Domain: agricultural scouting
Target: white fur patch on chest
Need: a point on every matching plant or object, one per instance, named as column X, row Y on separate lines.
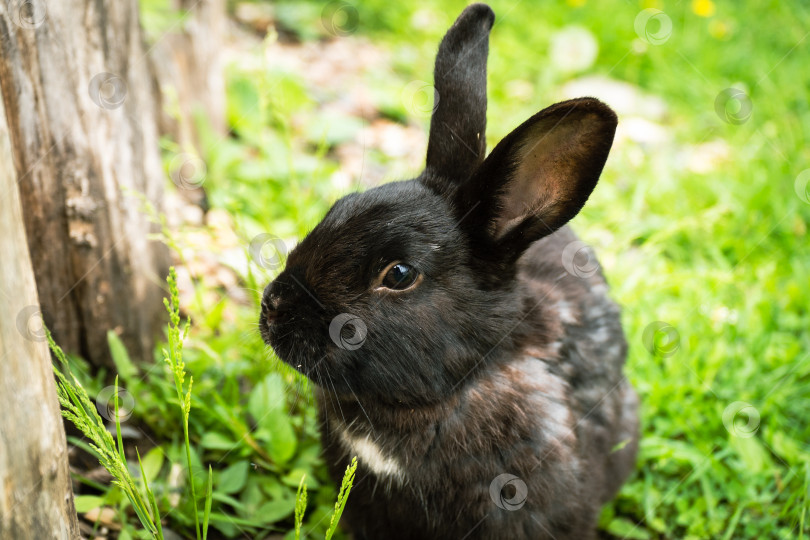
column 372, row 456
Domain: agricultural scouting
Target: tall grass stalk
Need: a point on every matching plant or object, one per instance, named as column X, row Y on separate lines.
column 300, row 506
column 81, row 411
column 174, row 357
column 343, row 496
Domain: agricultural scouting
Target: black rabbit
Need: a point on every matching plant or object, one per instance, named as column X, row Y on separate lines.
column 460, row 347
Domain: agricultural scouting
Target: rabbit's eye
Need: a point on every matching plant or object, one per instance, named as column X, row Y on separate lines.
column 400, row 276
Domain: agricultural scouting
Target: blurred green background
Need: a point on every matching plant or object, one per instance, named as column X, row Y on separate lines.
column 700, row 221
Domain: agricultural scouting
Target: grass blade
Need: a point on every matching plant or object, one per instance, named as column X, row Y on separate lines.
column 118, row 426
column 300, row 506
column 343, row 496
column 151, row 496
column 208, row 497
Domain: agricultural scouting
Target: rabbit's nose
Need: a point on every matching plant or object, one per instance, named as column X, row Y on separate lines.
column 270, row 303
column 270, row 316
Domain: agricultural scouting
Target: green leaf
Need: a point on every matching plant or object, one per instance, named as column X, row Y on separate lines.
column 227, row 499
column 152, row 463
column 267, row 405
column 334, row 128
column 126, row 369
column 214, row 440
column 233, row 478
column 271, row 487
column 624, row 528
column 243, row 106
column 752, row 453
column 298, row 17
column 214, row 316
column 221, row 523
column 85, row 503
column 273, row 511
column 251, row 499
column 267, row 396
column 293, row 478
column 281, row 442
column 787, row 447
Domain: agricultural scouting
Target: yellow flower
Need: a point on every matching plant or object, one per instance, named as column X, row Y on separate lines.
column 703, row 8
column 576, row 3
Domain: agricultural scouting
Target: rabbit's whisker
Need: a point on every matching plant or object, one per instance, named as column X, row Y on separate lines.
column 371, row 425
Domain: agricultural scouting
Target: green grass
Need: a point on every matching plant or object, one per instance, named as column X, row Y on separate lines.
column 721, row 256
column 149, row 509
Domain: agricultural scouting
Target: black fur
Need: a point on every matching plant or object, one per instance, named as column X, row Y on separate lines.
column 499, row 360
column 457, row 140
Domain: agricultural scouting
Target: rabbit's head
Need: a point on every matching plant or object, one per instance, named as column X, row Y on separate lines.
column 404, row 291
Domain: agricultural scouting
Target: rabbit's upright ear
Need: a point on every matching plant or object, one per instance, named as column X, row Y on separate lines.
column 539, row 176
column 457, row 142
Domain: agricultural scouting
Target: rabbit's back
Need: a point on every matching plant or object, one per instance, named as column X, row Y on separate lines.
column 582, row 342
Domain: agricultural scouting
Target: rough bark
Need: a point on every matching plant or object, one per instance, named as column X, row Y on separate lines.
column 80, row 108
column 36, row 500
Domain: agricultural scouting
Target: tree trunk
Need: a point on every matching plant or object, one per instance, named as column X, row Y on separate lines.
column 189, row 70
column 36, row 500
column 80, row 107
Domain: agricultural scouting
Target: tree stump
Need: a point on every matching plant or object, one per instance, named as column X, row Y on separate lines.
column 80, row 106
column 36, row 500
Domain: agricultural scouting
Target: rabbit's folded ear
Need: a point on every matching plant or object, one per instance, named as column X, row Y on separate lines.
column 540, row 175
column 457, row 142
